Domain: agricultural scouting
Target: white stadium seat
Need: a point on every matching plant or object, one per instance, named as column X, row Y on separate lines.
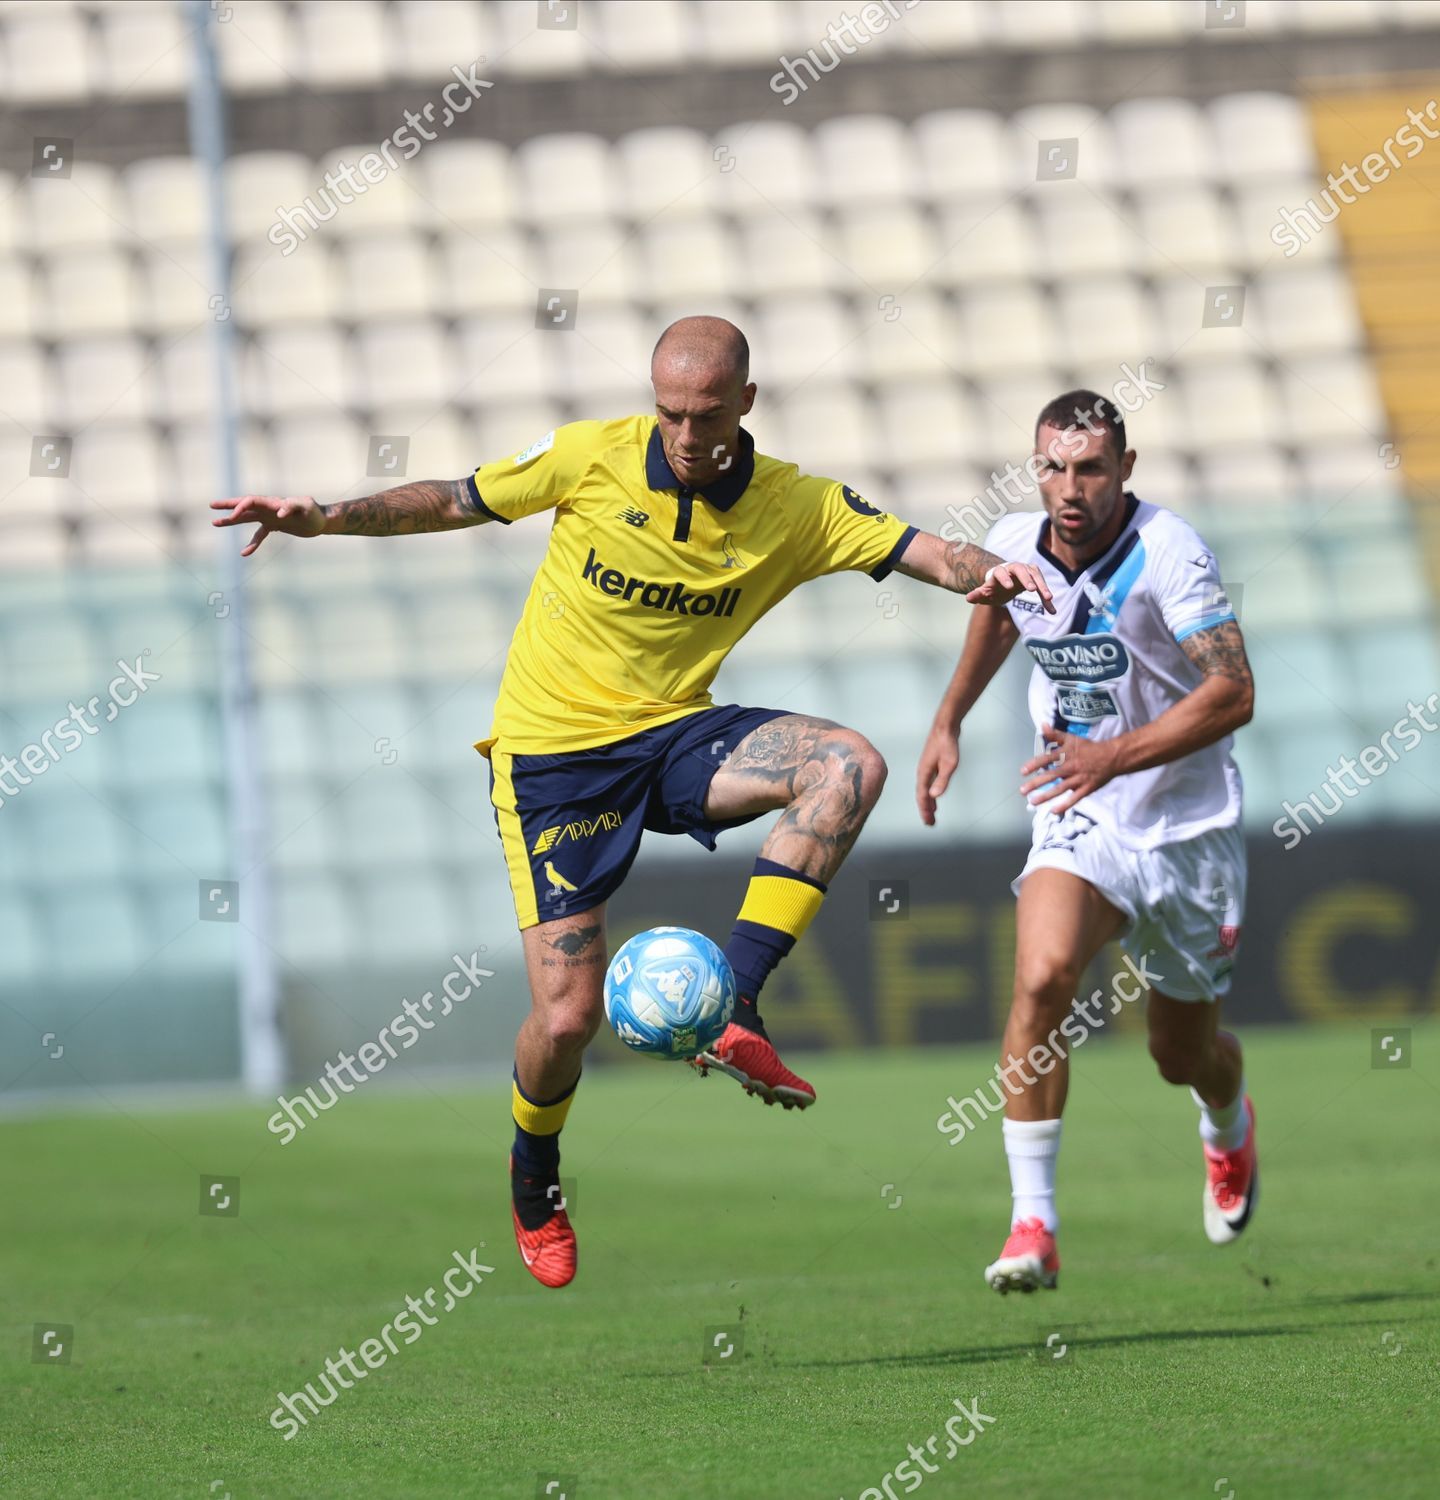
column 468, row 182
column 85, row 208
column 967, row 153
column 144, row 50
column 299, row 367
column 1007, row 327
column 565, row 176
column 1162, row 141
column 667, row 170
column 91, row 290
column 387, row 275
column 865, row 158
column 343, row 45
column 104, row 377
column 407, row 360
column 1261, row 135
column 259, row 50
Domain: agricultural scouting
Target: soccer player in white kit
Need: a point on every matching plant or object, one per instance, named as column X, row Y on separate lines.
column 1140, row 679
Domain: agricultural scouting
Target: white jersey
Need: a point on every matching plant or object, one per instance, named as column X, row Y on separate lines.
column 1109, row 660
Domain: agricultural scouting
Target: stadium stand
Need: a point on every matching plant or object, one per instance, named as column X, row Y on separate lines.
column 913, row 292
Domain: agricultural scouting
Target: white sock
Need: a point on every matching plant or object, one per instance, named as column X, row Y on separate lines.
column 1032, row 1147
column 1224, row 1129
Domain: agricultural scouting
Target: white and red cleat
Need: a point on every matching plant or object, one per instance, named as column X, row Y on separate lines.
column 1028, row 1260
column 755, row 1065
column 1232, row 1186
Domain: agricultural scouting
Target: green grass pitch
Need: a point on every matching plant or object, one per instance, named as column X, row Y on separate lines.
column 1301, row 1361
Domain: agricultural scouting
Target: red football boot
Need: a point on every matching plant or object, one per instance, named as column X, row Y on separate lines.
column 753, row 1063
column 548, row 1248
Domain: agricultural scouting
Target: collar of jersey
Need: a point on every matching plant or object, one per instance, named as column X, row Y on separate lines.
column 1132, row 504
column 720, row 493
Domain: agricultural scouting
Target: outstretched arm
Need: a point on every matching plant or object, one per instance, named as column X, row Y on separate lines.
column 1072, row 767
column 988, row 640
column 967, row 569
column 423, row 505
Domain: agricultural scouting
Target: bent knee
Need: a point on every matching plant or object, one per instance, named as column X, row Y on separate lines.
column 850, row 755
column 1045, row 982
column 571, row 1025
column 1176, row 1064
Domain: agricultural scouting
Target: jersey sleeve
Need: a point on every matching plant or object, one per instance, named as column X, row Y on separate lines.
column 842, row 531
column 537, row 478
column 1191, row 594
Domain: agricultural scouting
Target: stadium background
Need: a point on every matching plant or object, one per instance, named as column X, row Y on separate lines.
column 922, row 248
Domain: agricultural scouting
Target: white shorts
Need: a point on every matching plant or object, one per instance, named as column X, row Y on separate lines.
column 1184, row 902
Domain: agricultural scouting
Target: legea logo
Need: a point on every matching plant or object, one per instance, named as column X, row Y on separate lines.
column 1081, row 658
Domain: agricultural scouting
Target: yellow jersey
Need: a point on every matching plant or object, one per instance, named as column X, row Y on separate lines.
column 647, row 583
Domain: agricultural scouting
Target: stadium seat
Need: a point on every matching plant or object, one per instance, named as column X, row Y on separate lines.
column 1232, row 401
column 414, row 361
column 297, row 367
column 595, row 258
column 1330, row 397
column 120, row 468
column 178, row 830
column 27, row 379
column 485, row 269
column 387, row 275
column 1105, row 319
column 740, row 31
column 864, row 159
column 666, row 169
column 50, row 57
column 259, row 54
column 1351, row 475
column 259, row 182
column 432, row 36
column 1125, row 23
column 1160, row 140
column 565, row 176
column 319, row 453
column 343, row 46
column 967, row 153
column 1036, row 128
column 613, row 356
column 144, row 50
column 1187, row 227
column 393, row 203
column 1258, row 221
column 1261, row 135
column 763, row 163
column 270, row 289
column 1245, row 476
column 317, row 923
column 1084, row 231
column 888, row 245
column 104, row 377
column 84, row 208
column 500, row 355
column 1310, row 311
column 828, row 427
column 469, row 182
column 983, row 239
column 175, row 287
column 929, row 422
column 638, row 35
column 688, row 258
column 796, row 337
column 908, row 337
column 91, row 291
column 1007, row 327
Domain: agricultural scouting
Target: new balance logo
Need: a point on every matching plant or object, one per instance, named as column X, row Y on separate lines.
column 578, row 828
column 671, row 598
column 633, row 516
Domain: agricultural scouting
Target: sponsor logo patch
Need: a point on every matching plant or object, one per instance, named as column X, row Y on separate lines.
column 1082, row 707
column 671, row 598
column 1081, row 658
column 576, row 829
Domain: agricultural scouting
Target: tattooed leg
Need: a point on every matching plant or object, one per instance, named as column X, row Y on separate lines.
column 826, row 777
column 565, row 962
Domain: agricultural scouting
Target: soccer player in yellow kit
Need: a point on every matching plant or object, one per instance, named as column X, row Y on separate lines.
column 670, row 538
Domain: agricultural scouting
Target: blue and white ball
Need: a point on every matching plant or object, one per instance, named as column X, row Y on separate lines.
column 670, row 992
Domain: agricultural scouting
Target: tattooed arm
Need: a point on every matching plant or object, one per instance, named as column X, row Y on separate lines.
column 423, row 505
column 962, row 567
column 1072, row 767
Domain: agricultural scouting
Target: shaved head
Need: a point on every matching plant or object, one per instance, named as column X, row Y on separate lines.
column 701, row 373
column 712, row 345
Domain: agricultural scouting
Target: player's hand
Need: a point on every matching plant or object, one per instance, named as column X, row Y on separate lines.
column 1070, row 767
column 938, row 761
column 1005, row 582
column 295, row 515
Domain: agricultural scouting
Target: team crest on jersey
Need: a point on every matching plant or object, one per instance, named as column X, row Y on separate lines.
column 1081, row 658
column 731, row 556
column 1102, row 605
column 859, row 506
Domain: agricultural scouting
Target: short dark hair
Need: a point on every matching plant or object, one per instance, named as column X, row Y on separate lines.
column 1087, row 409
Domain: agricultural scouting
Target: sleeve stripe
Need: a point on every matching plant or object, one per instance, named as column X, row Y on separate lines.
column 480, row 505
column 895, row 553
column 1204, row 623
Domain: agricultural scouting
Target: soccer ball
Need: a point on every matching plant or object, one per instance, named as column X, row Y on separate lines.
column 670, row 992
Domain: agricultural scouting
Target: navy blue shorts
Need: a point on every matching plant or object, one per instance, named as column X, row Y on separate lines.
column 570, row 824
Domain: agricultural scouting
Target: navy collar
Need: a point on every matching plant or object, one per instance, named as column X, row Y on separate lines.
column 1070, row 575
column 722, row 492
